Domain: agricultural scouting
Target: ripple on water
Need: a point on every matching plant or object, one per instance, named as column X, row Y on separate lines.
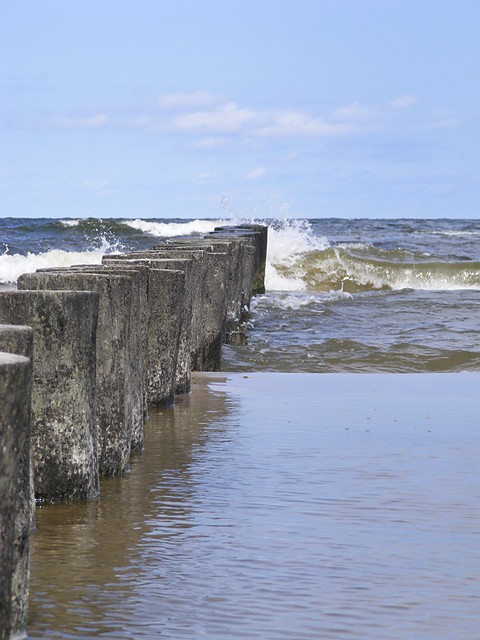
column 279, row 506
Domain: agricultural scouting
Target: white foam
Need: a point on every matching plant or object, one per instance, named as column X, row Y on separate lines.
column 274, row 281
column 360, row 246
column 434, row 283
column 12, row 266
column 456, row 233
column 171, row 229
column 339, row 294
column 70, row 223
column 288, row 241
column 421, row 276
column 288, row 301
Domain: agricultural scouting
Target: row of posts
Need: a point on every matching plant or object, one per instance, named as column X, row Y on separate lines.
column 85, row 350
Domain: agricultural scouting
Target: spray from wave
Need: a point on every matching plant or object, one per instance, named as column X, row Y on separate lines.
column 70, row 223
column 299, row 259
column 13, row 265
column 289, row 243
column 172, row 229
column 86, row 240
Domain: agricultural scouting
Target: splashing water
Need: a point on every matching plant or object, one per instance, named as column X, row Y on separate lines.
column 288, row 242
column 13, row 265
column 171, row 229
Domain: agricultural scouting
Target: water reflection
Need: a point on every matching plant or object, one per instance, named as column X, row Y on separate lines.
column 88, row 559
column 280, row 506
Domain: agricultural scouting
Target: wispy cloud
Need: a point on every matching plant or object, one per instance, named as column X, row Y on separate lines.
column 354, row 112
column 404, row 102
column 212, row 122
column 212, row 142
column 255, row 174
column 297, row 123
column 80, row 122
column 225, row 118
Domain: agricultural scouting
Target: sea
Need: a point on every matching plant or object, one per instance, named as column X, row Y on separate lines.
column 358, row 295
column 323, row 486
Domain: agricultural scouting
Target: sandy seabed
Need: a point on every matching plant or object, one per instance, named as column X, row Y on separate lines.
column 279, row 506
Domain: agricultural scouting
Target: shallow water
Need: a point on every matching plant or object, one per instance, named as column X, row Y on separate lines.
column 396, row 331
column 279, row 506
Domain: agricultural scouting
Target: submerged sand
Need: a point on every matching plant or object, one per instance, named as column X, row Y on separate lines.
column 280, row 506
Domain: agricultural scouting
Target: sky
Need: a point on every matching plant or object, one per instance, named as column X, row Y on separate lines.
column 266, row 108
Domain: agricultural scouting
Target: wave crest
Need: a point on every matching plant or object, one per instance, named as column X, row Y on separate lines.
column 13, row 265
column 289, row 242
column 171, row 229
column 336, row 269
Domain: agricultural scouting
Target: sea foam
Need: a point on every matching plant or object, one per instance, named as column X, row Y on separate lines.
column 172, row 229
column 70, row 223
column 288, row 242
column 12, row 266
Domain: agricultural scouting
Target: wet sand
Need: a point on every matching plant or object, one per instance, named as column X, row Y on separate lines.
column 279, row 506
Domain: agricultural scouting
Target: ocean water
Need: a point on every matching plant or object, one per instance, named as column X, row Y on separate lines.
column 288, row 498
column 342, row 295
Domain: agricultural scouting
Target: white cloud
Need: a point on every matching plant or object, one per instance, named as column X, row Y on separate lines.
column 446, row 123
column 255, row 174
column 226, row 118
column 80, row 122
column 404, row 102
column 354, row 111
column 296, row 123
column 213, row 142
column 182, row 100
column 213, row 123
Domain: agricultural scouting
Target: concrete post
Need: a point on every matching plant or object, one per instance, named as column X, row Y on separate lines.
column 183, row 368
column 18, row 340
column 256, row 236
column 63, row 393
column 166, row 296
column 215, row 310
column 216, row 267
column 196, row 288
column 137, row 339
column 114, row 399
column 15, row 390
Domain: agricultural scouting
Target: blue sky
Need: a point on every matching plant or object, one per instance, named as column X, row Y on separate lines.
column 271, row 108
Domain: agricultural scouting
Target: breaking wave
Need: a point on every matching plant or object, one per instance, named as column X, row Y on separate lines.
column 289, row 244
column 299, row 258
column 171, row 229
column 336, row 268
column 12, row 266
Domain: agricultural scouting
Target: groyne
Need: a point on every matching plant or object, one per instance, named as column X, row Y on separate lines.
column 85, row 350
